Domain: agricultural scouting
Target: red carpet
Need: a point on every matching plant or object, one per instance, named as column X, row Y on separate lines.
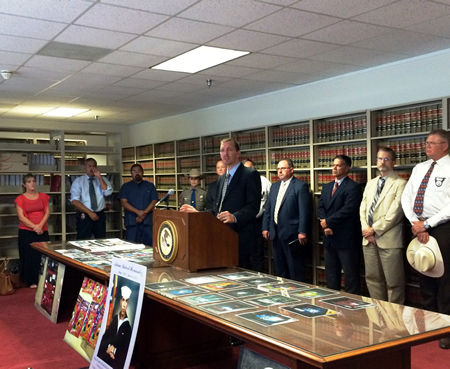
column 28, row 339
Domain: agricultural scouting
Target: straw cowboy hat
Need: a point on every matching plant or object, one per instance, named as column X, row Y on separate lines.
column 195, row 173
column 426, row 258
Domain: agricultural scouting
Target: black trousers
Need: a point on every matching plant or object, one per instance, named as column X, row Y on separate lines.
column 348, row 260
column 30, row 258
column 436, row 291
column 87, row 227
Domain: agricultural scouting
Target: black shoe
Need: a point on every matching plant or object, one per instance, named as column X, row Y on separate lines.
column 236, row 341
column 444, row 343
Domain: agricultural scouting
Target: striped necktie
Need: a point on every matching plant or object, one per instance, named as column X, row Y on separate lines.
column 224, row 191
column 336, row 184
column 418, row 202
column 380, row 186
column 280, row 196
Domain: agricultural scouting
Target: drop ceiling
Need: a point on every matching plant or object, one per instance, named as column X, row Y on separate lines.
column 97, row 54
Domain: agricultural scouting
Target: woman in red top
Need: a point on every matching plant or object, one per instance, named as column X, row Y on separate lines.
column 33, row 211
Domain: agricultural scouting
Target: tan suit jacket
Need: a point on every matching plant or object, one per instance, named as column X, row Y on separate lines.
column 388, row 213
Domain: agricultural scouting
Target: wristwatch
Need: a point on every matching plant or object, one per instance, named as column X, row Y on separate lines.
column 426, row 225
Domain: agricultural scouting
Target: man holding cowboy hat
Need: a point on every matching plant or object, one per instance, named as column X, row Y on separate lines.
column 194, row 195
column 426, row 204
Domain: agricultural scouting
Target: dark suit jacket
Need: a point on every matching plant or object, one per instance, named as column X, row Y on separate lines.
column 342, row 214
column 294, row 216
column 242, row 199
column 211, row 195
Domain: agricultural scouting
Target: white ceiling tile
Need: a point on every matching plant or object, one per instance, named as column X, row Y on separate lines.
column 94, row 37
column 20, row 44
column 181, row 87
column 111, row 69
column 120, row 19
column 282, row 77
column 200, row 79
column 26, row 27
column 124, row 91
column 139, row 83
column 7, row 57
column 346, row 32
column 157, row 46
column 160, row 75
column 67, row 11
column 435, row 27
column 292, row 22
column 349, row 55
column 225, row 70
column 261, row 61
column 228, row 12
column 98, row 79
column 259, row 86
column 404, row 13
column 305, row 66
column 132, row 59
column 186, row 30
column 155, row 6
column 300, row 48
column 280, row 2
column 48, row 62
column 341, row 8
column 252, row 41
column 339, row 69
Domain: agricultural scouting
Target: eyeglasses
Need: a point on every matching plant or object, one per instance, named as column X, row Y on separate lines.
column 427, row 143
column 283, row 168
column 384, row 159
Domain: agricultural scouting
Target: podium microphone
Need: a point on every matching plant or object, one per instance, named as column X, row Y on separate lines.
column 166, row 197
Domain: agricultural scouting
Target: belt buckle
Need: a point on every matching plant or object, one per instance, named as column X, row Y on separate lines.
column 422, row 219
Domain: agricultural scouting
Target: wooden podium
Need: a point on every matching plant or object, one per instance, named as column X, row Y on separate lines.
column 193, row 241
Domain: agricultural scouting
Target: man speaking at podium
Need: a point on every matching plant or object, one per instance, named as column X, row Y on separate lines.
column 237, row 200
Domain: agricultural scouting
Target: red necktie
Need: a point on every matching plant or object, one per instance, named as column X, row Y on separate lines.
column 334, row 188
column 418, row 202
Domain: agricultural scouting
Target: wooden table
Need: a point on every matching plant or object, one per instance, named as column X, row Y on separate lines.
column 173, row 334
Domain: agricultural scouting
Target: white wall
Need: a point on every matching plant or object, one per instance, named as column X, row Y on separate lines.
column 422, row 78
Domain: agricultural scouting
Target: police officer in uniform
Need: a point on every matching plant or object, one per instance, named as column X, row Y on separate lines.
column 194, row 195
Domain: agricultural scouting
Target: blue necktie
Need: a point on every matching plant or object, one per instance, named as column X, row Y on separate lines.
column 193, row 198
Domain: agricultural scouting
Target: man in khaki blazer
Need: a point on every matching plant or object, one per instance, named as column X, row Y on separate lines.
column 381, row 222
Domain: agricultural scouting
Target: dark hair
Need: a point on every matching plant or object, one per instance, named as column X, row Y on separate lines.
column 442, row 133
column 389, row 151
column 90, row 159
column 250, row 160
column 25, row 178
column 136, row 165
column 347, row 161
column 289, row 161
column 233, row 140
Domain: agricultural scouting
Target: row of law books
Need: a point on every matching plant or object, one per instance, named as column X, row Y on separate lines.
column 43, row 159
column 409, row 120
column 209, row 178
column 350, row 128
column 251, row 140
column 210, row 163
column 259, row 158
column 293, row 135
column 303, row 177
column 164, row 150
column 144, row 152
column 212, row 144
column 166, row 182
column 407, row 151
column 165, row 166
column 172, row 199
column 128, row 153
column 17, row 180
column 324, row 178
column 191, row 147
column 300, row 158
column 356, row 152
column 186, row 164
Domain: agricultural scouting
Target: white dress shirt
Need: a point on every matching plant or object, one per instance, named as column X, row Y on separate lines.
column 80, row 191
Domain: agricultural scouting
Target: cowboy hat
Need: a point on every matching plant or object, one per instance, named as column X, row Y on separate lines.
column 195, row 173
column 426, row 258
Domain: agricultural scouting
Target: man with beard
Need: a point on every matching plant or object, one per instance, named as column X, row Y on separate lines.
column 138, row 198
column 116, row 339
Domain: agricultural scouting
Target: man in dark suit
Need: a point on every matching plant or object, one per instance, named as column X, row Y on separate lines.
column 237, row 200
column 339, row 218
column 212, row 187
column 287, row 221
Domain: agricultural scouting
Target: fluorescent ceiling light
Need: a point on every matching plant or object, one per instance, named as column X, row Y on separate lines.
column 198, row 59
column 65, row 112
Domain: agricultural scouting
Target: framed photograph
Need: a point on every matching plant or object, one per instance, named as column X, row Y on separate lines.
column 266, row 318
column 309, row 310
column 280, row 287
column 271, row 300
column 221, row 286
column 182, row 291
column 164, row 285
column 261, row 280
column 227, row 307
column 207, row 298
column 241, row 293
column 348, row 303
column 313, row 293
column 239, row 275
column 204, row 279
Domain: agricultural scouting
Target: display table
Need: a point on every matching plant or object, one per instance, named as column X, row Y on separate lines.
column 175, row 334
